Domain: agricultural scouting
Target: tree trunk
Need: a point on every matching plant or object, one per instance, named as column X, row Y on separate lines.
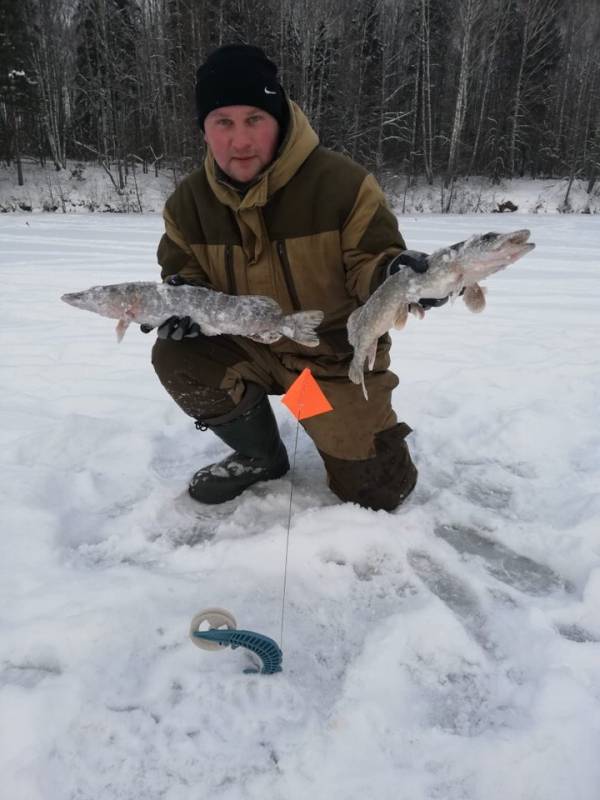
column 460, row 108
column 426, row 93
column 490, row 67
column 516, row 113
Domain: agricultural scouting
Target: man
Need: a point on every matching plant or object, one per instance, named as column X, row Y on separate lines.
column 273, row 213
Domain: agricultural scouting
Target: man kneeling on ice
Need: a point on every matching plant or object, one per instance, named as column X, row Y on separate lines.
column 273, row 213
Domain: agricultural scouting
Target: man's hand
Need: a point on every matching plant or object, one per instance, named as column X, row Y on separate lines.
column 175, row 328
column 432, row 302
column 178, row 328
column 424, row 304
column 418, row 262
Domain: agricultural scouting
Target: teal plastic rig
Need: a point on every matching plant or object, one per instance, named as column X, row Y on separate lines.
column 222, row 632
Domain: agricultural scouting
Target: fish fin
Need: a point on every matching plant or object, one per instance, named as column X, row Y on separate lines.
column 401, row 316
column 265, row 338
column 300, row 327
column 121, row 328
column 474, row 298
column 417, row 310
column 372, row 355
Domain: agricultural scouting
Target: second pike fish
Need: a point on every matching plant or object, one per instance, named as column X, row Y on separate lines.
column 258, row 318
column 450, row 271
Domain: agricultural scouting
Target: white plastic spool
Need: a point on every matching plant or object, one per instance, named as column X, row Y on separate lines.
column 216, row 618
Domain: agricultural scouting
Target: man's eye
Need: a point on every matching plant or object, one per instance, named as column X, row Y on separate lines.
column 223, row 123
column 255, row 118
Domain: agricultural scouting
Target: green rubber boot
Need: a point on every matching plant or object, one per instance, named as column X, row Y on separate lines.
column 259, row 455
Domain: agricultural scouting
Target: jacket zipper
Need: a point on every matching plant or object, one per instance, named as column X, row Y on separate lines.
column 287, row 274
column 229, row 269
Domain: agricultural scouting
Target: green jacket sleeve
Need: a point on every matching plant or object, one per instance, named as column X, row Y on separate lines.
column 176, row 256
column 370, row 238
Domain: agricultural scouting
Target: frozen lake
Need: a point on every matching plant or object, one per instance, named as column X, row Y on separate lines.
column 448, row 651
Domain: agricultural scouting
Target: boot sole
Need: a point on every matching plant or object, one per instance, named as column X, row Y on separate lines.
column 213, row 497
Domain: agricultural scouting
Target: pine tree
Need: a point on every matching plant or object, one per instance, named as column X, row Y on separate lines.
column 17, row 86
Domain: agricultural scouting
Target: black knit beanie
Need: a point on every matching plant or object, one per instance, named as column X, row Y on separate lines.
column 239, row 74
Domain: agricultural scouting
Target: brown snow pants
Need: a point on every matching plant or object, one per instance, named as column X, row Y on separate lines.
column 363, row 447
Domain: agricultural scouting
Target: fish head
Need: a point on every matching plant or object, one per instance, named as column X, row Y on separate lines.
column 487, row 253
column 77, row 299
column 117, row 301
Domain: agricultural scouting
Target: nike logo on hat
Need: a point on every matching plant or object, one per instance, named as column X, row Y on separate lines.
column 268, row 91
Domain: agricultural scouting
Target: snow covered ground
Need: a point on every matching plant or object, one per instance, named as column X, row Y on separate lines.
column 85, row 187
column 448, row 651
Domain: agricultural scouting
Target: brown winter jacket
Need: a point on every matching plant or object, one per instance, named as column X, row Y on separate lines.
column 314, row 232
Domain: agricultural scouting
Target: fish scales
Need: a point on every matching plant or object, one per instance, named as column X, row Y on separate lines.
column 451, row 271
column 259, row 318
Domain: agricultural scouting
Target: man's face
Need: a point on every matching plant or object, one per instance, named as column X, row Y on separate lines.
column 242, row 139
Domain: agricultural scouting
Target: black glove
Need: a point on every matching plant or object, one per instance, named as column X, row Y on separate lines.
column 176, row 280
column 432, row 302
column 418, row 262
column 178, row 328
column 175, row 328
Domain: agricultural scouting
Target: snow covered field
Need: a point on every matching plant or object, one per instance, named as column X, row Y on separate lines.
column 85, row 187
column 448, row 651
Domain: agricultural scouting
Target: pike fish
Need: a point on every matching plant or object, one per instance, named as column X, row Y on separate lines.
column 451, row 271
column 258, row 318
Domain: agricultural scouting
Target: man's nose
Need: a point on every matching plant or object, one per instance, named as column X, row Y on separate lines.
column 241, row 139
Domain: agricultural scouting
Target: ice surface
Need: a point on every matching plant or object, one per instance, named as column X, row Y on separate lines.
column 448, row 651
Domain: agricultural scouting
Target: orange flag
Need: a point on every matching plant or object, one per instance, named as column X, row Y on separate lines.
column 304, row 398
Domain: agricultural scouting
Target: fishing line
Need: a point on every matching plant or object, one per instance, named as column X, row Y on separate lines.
column 289, row 523
column 304, row 399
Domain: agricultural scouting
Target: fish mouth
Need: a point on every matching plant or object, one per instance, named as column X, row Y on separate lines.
column 73, row 299
column 496, row 241
column 518, row 237
column 512, row 245
column 517, row 245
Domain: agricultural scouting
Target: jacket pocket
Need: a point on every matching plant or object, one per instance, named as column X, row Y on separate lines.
column 288, row 277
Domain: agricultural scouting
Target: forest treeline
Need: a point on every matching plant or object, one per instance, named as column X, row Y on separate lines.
column 448, row 88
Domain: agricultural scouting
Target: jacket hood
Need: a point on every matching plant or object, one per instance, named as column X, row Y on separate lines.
column 299, row 142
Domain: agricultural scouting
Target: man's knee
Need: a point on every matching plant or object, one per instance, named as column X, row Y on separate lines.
column 382, row 482
column 161, row 360
column 169, row 358
column 190, row 380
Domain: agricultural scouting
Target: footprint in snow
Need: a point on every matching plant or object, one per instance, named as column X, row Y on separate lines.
column 504, row 564
column 496, row 498
column 27, row 675
column 576, row 634
column 453, row 592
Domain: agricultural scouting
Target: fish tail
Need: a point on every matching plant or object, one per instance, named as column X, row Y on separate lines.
column 301, row 327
